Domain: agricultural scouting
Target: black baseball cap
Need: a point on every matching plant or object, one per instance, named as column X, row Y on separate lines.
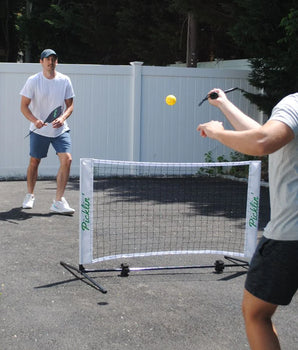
column 46, row 53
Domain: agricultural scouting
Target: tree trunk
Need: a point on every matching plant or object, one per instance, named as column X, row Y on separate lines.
column 191, row 54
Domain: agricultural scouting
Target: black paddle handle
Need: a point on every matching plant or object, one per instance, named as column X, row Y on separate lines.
column 214, row 95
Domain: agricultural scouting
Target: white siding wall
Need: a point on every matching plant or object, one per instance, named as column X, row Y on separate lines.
column 120, row 113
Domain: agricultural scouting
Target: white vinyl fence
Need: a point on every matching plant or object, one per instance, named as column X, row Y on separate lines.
column 120, row 114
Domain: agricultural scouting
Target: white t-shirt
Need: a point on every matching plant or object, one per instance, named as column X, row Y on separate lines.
column 283, row 176
column 46, row 95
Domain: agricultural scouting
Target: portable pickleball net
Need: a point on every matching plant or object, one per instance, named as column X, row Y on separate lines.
column 134, row 211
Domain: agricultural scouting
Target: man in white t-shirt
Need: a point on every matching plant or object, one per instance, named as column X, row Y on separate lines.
column 43, row 93
column 272, row 277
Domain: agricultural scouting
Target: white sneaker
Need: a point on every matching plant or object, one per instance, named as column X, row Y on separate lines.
column 28, row 201
column 62, row 207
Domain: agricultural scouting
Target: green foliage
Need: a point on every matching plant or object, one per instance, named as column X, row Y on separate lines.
column 8, row 33
column 271, row 43
column 53, row 24
column 214, row 21
column 149, row 31
column 155, row 32
column 238, row 157
column 121, row 31
column 217, row 170
column 239, row 171
column 105, row 32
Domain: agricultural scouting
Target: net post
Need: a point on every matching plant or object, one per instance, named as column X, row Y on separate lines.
column 252, row 208
column 86, row 211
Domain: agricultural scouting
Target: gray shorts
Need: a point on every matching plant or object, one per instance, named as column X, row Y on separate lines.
column 39, row 145
column 273, row 271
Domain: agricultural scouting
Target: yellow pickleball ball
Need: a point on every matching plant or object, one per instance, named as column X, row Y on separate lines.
column 170, row 100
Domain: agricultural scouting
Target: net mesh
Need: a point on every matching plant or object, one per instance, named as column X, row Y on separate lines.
column 143, row 209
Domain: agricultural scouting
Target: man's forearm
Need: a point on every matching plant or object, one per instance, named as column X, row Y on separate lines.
column 69, row 109
column 237, row 118
column 247, row 141
column 28, row 114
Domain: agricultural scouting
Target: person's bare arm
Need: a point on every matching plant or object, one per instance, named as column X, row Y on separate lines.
column 69, row 109
column 235, row 116
column 25, row 102
column 259, row 141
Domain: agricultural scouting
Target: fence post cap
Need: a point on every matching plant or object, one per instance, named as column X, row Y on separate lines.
column 136, row 63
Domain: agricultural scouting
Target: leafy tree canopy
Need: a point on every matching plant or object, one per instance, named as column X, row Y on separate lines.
column 120, row 31
column 267, row 31
column 155, row 32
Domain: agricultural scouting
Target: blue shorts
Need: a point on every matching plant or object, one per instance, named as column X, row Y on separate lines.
column 39, row 145
column 272, row 275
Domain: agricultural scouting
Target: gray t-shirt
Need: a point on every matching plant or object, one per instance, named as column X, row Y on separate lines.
column 283, row 176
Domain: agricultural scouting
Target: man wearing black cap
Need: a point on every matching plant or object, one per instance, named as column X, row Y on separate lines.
column 45, row 92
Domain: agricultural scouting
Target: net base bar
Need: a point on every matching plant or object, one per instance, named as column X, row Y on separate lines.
column 125, row 269
column 82, row 271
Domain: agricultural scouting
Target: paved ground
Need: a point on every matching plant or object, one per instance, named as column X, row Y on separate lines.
column 42, row 306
